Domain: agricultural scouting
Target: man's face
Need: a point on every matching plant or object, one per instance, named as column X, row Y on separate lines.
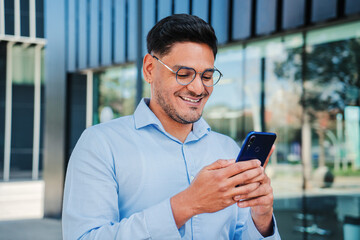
column 183, row 104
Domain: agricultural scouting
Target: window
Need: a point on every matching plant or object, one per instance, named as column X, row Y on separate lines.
column 310, row 96
column 117, row 88
column 224, row 110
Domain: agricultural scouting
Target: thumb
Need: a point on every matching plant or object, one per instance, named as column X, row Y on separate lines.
column 221, row 163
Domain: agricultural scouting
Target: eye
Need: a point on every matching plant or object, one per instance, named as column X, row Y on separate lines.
column 208, row 75
column 185, row 73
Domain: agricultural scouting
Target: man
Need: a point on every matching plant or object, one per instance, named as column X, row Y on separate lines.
column 162, row 173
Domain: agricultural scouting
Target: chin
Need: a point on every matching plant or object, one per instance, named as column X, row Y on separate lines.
column 190, row 119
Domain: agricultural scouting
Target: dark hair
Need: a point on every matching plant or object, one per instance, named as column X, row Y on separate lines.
column 180, row 28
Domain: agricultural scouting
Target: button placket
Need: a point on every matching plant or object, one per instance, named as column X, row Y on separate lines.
column 191, row 178
column 188, row 162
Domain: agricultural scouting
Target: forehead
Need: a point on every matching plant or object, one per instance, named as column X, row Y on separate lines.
column 190, row 54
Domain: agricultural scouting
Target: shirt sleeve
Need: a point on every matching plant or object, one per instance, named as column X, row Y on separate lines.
column 90, row 206
column 246, row 228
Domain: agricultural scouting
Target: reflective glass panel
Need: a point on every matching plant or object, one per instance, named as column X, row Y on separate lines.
column 311, row 100
column 252, row 86
column 224, row 110
column 117, row 88
column 332, row 127
column 283, row 91
column 23, row 62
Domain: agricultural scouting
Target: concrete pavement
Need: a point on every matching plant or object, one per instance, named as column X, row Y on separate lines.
column 32, row 229
column 22, row 210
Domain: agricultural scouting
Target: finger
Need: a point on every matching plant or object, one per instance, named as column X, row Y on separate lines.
column 240, row 167
column 240, row 191
column 262, row 190
column 260, row 178
column 221, row 163
column 246, row 176
column 271, row 152
column 259, row 201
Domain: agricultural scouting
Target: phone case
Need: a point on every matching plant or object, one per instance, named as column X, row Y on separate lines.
column 257, row 145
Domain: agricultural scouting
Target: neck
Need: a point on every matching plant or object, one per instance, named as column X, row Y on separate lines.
column 178, row 130
column 174, row 128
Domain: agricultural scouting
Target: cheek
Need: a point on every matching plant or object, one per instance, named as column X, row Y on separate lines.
column 160, row 88
column 209, row 90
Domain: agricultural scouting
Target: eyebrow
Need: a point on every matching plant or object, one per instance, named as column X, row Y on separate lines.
column 177, row 66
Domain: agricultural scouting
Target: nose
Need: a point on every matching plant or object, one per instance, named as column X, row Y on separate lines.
column 196, row 86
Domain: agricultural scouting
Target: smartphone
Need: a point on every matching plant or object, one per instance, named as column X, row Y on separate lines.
column 257, row 145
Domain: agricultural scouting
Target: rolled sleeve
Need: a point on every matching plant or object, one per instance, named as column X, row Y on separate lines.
column 255, row 234
column 246, row 228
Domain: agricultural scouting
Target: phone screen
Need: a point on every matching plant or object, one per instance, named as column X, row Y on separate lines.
column 257, row 145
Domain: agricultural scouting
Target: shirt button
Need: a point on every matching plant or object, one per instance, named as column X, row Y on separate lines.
column 191, row 178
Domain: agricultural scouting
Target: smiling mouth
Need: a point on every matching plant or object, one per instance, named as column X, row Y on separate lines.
column 190, row 100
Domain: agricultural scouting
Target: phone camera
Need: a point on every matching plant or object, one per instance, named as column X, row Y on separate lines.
column 252, row 139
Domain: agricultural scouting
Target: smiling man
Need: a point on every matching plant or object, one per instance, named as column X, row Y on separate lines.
column 178, row 104
column 162, row 173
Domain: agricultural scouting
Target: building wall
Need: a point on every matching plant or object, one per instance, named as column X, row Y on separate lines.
column 21, row 88
column 93, row 42
column 100, row 35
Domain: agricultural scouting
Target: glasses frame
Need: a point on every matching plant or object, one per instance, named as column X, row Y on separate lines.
column 183, row 67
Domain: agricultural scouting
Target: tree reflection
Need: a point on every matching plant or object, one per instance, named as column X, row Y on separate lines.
column 331, row 82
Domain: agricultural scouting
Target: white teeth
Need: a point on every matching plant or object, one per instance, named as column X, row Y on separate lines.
column 190, row 100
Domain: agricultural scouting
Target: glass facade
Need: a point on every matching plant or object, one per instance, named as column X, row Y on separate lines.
column 226, row 114
column 26, row 113
column 306, row 88
column 21, row 89
column 9, row 17
column 117, row 89
column 22, row 112
column 76, row 109
column 115, row 93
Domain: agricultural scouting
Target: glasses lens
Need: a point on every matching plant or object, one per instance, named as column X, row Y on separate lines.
column 210, row 77
column 185, row 75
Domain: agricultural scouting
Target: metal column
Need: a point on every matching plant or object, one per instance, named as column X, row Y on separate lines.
column 32, row 13
column 139, row 58
column 2, row 17
column 55, row 106
column 89, row 98
column 37, row 113
column 17, row 18
column 8, row 111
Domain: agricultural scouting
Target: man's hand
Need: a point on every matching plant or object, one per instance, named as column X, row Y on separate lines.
column 261, row 202
column 215, row 188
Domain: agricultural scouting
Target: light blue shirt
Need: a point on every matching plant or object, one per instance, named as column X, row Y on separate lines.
column 122, row 174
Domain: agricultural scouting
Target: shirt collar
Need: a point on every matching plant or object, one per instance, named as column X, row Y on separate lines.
column 143, row 116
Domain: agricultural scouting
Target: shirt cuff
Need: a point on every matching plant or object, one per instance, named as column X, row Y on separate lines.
column 160, row 221
column 257, row 235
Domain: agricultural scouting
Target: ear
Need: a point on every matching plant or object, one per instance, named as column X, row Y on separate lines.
column 148, row 67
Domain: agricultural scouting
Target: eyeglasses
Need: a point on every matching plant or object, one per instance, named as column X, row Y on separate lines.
column 185, row 75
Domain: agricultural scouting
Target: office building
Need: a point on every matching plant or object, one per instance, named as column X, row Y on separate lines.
column 289, row 66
